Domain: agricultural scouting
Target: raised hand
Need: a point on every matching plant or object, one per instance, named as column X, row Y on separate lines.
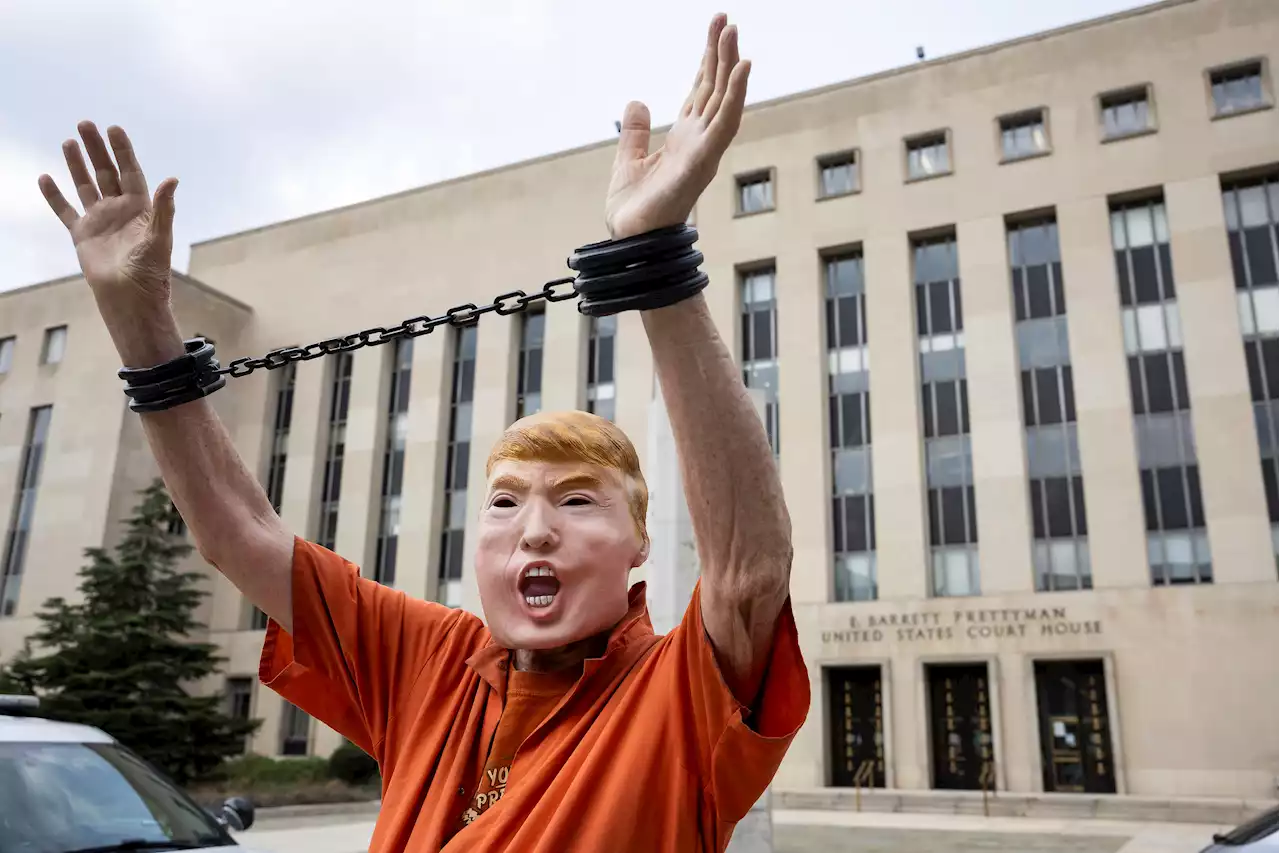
column 651, row 191
column 124, row 240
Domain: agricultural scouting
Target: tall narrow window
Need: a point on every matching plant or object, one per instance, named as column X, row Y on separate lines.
column 384, row 560
column 760, row 344
column 601, row 391
column 457, row 455
column 295, row 729
column 1061, row 550
column 529, row 370
column 239, row 698
column 1251, row 211
column 953, row 518
column 55, row 345
column 24, row 506
column 1177, row 541
column 6, row 354
column 331, row 487
column 853, row 509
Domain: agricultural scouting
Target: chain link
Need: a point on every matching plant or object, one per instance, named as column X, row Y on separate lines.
column 466, row 314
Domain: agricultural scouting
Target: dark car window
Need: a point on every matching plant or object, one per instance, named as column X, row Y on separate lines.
column 57, row 797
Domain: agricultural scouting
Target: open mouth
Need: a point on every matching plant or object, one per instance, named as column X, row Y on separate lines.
column 539, row 586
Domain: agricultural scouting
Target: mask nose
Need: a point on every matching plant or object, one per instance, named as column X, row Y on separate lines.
column 538, row 532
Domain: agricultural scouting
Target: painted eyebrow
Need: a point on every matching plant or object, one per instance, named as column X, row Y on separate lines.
column 509, row 483
column 577, row 481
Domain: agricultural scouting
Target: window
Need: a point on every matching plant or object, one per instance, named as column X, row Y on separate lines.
column 1252, row 230
column 838, row 174
column 849, row 430
column 24, row 507
column 953, row 519
column 176, row 525
column 755, row 192
column 1237, row 88
column 55, row 345
column 457, row 458
column 239, row 699
column 1060, row 549
column 1126, row 112
column 601, row 392
column 760, row 344
column 384, row 560
column 6, row 355
column 1177, row 542
column 928, row 156
column 331, row 488
column 529, row 370
column 1023, row 135
column 295, row 726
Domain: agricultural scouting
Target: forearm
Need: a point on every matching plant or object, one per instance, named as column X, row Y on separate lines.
column 233, row 524
column 731, row 480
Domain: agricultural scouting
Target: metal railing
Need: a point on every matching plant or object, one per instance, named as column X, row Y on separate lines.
column 866, row 775
column 987, row 781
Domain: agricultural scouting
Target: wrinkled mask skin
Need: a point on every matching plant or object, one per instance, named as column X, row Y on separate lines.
column 557, row 541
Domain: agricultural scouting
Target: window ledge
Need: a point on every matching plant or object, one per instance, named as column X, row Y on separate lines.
column 1243, row 111
column 741, row 214
column 838, row 195
column 1131, row 135
column 920, row 178
column 1034, row 155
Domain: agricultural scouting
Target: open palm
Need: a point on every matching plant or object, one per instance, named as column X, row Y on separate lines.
column 651, row 191
column 124, row 240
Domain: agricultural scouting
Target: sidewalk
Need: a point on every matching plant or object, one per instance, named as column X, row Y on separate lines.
column 933, row 831
column 797, row 831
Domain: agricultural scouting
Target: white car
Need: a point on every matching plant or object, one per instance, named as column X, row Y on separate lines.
column 67, row 788
column 1260, row 835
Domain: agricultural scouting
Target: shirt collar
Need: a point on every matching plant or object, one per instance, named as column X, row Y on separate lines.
column 492, row 660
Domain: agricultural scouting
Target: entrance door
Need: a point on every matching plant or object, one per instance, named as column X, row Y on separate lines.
column 960, row 724
column 856, row 724
column 1075, row 734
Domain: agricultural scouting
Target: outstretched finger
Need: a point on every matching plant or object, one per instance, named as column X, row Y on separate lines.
column 103, row 168
column 725, row 125
column 687, row 107
column 131, row 178
column 85, row 187
column 162, row 211
column 57, row 202
column 710, row 58
column 728, row 59
column 633, row 140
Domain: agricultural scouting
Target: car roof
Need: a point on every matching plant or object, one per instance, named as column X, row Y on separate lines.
column 27, row 729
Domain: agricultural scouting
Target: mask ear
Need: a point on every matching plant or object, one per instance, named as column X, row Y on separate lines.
column 642, row 555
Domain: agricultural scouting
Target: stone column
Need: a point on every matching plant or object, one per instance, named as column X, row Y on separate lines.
column 673, row 570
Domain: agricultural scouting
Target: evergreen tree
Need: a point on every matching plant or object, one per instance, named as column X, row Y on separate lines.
column 122, row 660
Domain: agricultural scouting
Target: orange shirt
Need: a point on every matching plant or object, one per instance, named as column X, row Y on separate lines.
column 531, row 697
column 647, row 751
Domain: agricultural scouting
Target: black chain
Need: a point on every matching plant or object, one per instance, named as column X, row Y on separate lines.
column 460, row 315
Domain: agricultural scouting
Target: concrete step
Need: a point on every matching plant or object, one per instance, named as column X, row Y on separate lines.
column 1038, row 805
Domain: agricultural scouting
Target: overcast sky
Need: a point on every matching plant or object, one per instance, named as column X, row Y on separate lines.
column 266, row 109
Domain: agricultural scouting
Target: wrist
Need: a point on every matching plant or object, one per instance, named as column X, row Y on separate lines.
column 144, row 330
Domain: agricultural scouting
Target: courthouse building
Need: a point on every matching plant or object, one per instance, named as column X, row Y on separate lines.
column 1014, row 316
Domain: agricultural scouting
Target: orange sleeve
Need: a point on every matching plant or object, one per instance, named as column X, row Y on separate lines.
column 739, row 758
column 358, row 647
